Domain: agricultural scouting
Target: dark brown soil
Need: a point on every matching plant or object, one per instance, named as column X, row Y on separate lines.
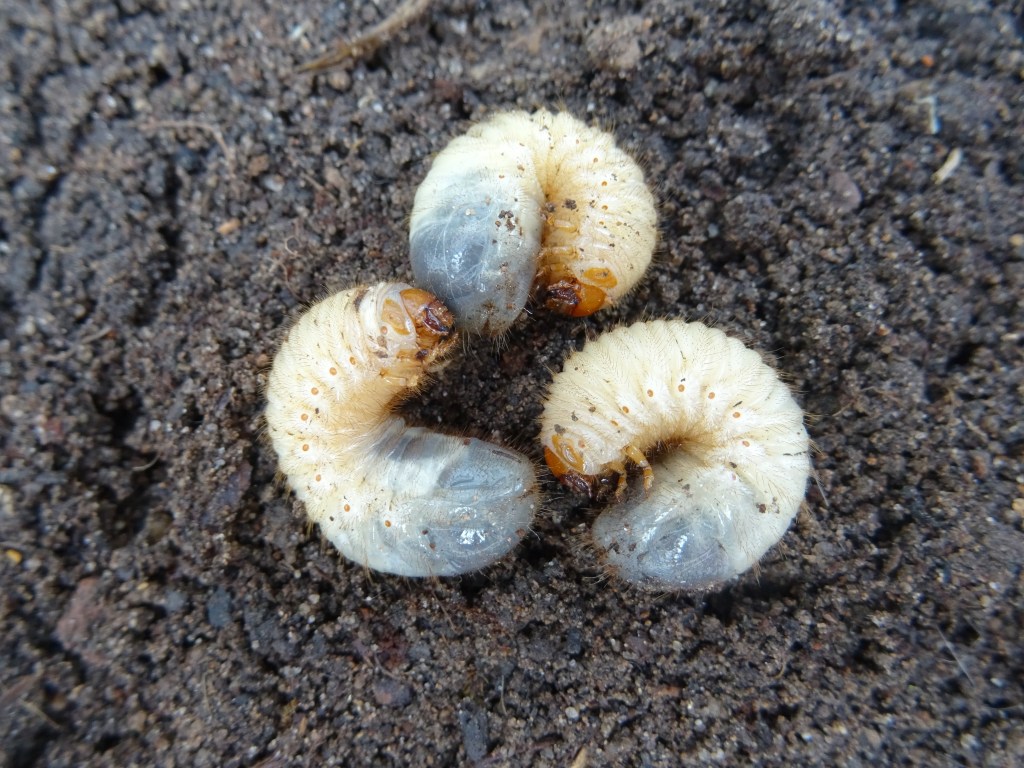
column 172, row 192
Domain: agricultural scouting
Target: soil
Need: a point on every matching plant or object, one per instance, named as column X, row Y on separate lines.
column 840, row 185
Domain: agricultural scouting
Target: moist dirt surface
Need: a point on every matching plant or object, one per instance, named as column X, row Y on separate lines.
column 841, row 185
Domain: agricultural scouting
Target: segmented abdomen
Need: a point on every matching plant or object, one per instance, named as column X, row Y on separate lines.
column 394, row 498
column 736, row 454
column 527, row 200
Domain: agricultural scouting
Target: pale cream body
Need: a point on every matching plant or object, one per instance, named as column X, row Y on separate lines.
column 393, row 498
column 735, row 461
column 528, row 198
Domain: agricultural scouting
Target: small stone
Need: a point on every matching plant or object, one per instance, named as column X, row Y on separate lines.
column 474, row 733
column 218, row 608
column 340, row 80
column 388, row 692
column 174, row 600
column 845, row 192
column 614, row 45
column 258, row 165
column 574, row 642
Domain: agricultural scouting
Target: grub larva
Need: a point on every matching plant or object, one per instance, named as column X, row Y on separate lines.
column 531, row 200
column 734, row 460
column 391, row 497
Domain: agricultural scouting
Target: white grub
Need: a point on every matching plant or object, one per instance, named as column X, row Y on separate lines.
column 390, row 497
column 735, row 455
column 523, row 201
